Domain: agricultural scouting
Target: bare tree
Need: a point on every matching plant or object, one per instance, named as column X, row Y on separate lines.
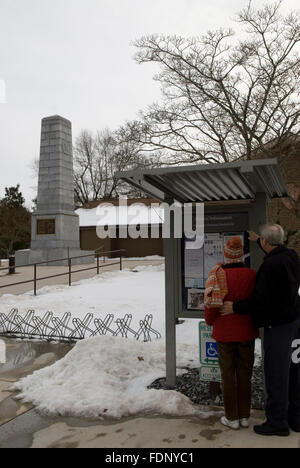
column 98, row 157
column 225, row 96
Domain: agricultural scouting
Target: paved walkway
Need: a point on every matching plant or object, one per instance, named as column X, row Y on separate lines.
column 26, row 274
column 22, row 426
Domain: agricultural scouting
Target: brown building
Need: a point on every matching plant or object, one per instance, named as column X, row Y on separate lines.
column 107, row 215
column 286, row 211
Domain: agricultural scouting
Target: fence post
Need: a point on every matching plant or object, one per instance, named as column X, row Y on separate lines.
column 121, row 267
column 70, row 271
column 98, row 269
column 34, row 278
column 12, row 263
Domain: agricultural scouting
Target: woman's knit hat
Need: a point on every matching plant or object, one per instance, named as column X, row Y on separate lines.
column 233, row 250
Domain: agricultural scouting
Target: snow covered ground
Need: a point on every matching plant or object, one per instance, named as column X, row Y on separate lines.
column 108, row 376
column 138, row 292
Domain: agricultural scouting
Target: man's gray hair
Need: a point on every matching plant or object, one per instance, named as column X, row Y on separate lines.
column 273, row 234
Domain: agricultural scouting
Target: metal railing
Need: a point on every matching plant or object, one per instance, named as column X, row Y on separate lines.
column 69, row 265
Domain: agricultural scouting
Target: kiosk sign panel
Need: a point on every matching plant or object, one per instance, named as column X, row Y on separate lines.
column 209, row 358
column 198, row 262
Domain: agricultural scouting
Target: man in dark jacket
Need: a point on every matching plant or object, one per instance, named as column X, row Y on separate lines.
column 275, row 305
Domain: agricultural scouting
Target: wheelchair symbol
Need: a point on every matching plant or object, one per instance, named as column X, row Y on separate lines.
column 211, row 350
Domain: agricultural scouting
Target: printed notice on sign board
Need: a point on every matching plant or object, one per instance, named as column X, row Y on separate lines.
column 193, row 264
column 196, row 299
column 196, row 243
column 213, row 252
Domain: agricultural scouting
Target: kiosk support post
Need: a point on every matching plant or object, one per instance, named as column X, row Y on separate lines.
column 171, row 269
column 258, row 217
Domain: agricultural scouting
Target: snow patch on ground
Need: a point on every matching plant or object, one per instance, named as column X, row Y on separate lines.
column 107, row 377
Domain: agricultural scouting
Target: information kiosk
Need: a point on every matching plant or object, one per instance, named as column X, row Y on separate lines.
column 235, row 197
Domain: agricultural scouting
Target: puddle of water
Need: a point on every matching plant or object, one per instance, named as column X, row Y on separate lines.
column 19, row 353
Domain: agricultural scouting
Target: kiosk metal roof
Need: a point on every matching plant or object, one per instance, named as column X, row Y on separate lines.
column 210, row 182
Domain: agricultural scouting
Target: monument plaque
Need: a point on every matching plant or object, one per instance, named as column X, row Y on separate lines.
column 45, row 227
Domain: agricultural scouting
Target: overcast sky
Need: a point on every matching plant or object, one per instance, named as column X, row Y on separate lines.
column 74, row 58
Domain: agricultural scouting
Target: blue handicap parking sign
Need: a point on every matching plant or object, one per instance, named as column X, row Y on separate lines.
column 211, row 350
column 209, row 355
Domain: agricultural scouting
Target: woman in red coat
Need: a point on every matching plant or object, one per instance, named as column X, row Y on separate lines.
column 235, row 336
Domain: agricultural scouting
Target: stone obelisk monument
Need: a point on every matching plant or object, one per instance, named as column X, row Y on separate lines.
column 55, row 225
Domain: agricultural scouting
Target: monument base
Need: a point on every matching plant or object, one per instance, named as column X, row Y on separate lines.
column 27, row 257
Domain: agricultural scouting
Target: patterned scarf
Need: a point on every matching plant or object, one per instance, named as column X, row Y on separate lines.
column 215, row 287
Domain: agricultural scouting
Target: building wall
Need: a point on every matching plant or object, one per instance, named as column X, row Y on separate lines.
column 133, row 247
column 286, row 211
column 90, row 241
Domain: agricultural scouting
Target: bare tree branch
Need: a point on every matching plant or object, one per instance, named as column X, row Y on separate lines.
column 224, row 97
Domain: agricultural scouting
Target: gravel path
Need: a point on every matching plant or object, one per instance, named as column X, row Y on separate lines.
column 200, row 392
